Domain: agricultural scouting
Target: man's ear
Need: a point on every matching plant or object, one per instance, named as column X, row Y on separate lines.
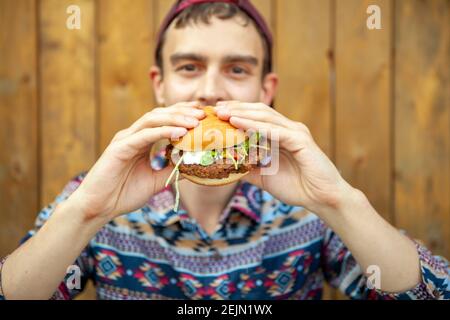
column 269, row 85
column 157, row 81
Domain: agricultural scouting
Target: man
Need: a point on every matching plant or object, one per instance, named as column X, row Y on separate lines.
column 255, row 239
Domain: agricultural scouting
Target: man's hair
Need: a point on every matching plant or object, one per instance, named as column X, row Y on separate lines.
column 203, row 12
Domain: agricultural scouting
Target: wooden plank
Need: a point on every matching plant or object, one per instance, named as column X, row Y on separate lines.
column 67, row 98
column 422, row 120
column 125, row 56
column 363, row 101
column 265, row 7
column 303, row 41
column 19, row 198
column 162, row 8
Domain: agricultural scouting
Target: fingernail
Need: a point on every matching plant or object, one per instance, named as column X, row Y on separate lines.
column 223, row 112
column 197, row 112
column 191, row 120
column 178, row 132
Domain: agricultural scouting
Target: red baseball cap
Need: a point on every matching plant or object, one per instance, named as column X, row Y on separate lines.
column 244, row 5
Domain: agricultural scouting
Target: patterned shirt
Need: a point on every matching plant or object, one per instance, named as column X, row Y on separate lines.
column 263, row 249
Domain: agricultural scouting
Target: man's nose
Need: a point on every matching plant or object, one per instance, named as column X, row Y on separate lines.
column 210, row 90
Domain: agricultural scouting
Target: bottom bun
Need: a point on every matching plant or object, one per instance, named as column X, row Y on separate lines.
column 215, row 182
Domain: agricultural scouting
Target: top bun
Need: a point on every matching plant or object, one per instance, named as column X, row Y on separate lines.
column 211, row 133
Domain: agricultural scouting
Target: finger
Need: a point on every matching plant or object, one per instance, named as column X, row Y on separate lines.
column 161, row 116
column 143, row 139
column 224, row 103
column 251, row 111
column 194, row 111
column 153, row 120
column 192, row 108
column 291, row 140
column 252, row 114
column 190, row 104
column 244, row 105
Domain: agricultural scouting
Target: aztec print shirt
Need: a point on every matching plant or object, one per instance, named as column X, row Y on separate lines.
column 263, row 249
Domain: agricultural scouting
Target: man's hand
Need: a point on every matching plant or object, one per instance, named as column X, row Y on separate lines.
column 306, row 176
column 122, row 179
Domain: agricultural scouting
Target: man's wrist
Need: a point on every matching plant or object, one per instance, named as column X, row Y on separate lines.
column 349, row 201
column 73, row 211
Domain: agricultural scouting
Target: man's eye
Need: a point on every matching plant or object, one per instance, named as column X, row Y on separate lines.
column 238, row 70
column 188, row 67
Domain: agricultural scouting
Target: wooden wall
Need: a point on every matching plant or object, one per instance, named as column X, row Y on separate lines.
column 377, row 101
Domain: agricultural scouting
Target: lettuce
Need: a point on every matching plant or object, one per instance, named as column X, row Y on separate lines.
column 245, row 147
column 207, row 158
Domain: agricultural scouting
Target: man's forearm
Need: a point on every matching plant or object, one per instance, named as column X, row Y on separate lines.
column 36, row 268
column 373, row 241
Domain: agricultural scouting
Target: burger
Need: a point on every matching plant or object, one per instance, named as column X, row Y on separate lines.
column 215, row 153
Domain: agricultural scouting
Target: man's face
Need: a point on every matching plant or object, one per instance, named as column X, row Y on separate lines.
column 213, row 62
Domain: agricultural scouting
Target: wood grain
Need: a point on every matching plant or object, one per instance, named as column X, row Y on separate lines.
column 68, row 109
column 67, row 95
column 162, row 8
column 363, row 101
column 125, row 55
column 19, row 196
column 303, row 44
column 422, row 122
column 376, row 101
column 265, row 8
column 302, row 60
